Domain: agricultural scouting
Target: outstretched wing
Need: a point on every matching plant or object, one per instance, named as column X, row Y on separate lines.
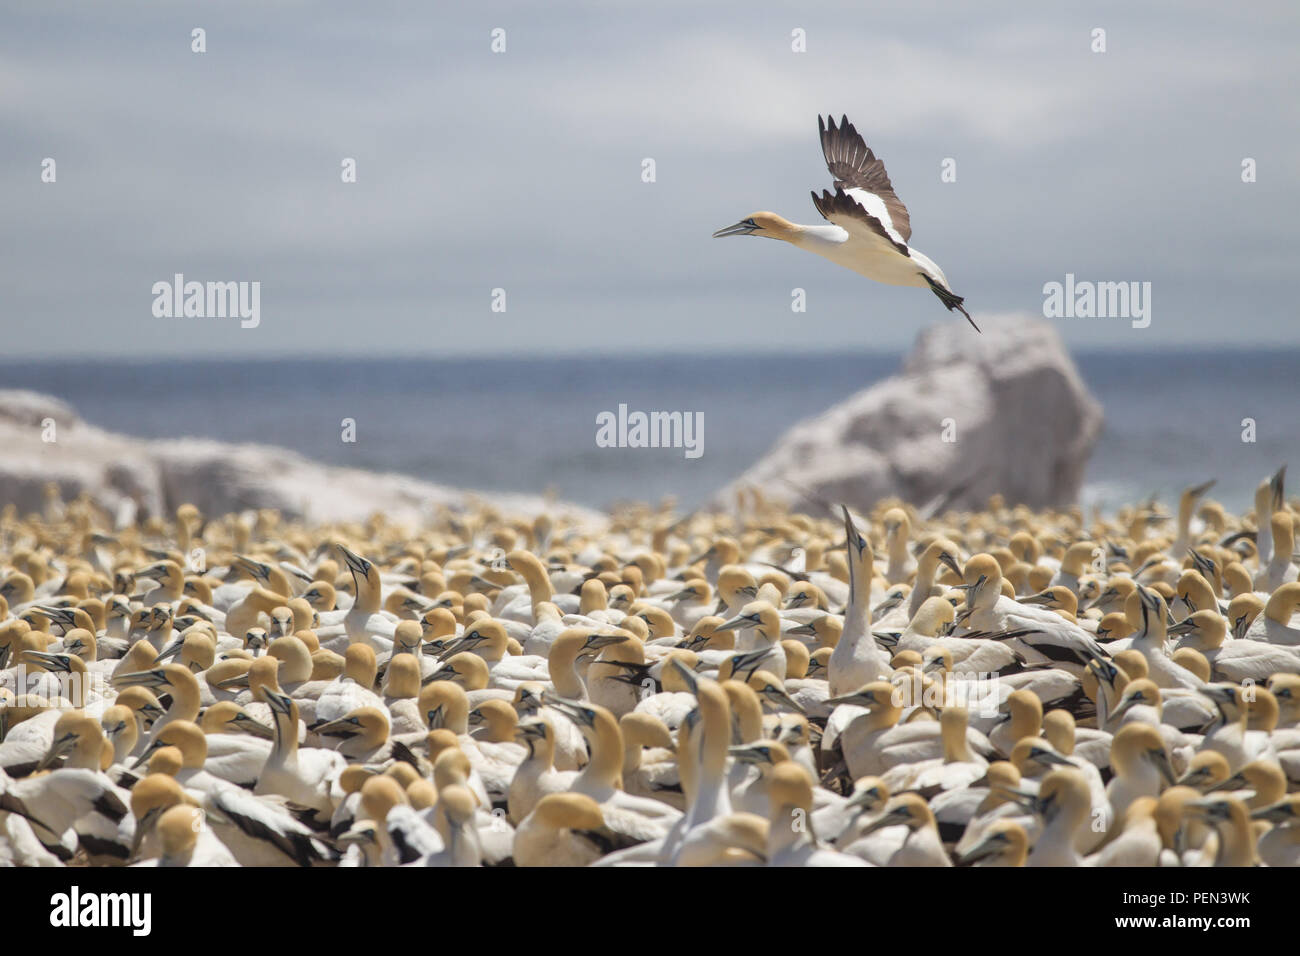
column 857, row 171
column 847, row 210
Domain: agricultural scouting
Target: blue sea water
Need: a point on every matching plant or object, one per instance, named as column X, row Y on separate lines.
column 530, row 424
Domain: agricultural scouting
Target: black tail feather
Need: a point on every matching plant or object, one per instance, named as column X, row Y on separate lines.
column 950, row 299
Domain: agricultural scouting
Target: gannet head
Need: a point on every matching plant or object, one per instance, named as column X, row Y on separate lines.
column 379, row 795
column 679, row 672
column 645, row 730
column 1263, row 712
column 797, row 659
column 178, row 830
column 907, row 809
column 735, row 584
column 1003, row 840
column 1284, row 812
column 495, row 718
column 227, row 717
column 367, row 724
column 402, row 678
column 756, row 614
column 151, row 796
column 933, row 616
column 761, row 753
column 1137, row 692
column 1135, row 744
column 982, row 580
column 765, row 224
column 1206, row 770
column 443, row 704
column 1242, row 611
column 878, row 695
column 1035, row 755
column 1190, row 659
column 569, row 811
column 1218, row 811
column 936, row 658
column 295, row 659
column 1228, row 699
column 1286, row 691
column 72, row 728
column 941, row 551
column 320, row 595
column 870, row 794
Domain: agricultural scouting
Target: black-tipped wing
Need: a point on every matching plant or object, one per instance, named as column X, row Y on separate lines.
column 855, row 167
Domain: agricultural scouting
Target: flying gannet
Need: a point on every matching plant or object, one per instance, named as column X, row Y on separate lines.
column 870, row 228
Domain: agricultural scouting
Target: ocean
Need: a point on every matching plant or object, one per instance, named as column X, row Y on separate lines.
column 1172, row 418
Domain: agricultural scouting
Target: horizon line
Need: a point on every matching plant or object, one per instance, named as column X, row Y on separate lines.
column 11, row 360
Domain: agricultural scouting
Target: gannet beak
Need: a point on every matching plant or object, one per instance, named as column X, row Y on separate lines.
column 170, row 651
column 280, row 703
column 806, row 630
column 857, row 698
column 740, row 623
column 1207, row 807
column 55, row 663
column 1122, row 708
column 1202, row 488
column 578, row 713
column 151, row 572
column 146, row 754
column 886, row 819
column 1235, row 782
column 345, row 727
column 1026, row 801
column 58, row 748
column 256, row 568
column 356, row 564
column 597, row 641
column 948, row 561
column 238, row 680
column 987, row 847
column 531, row 730
column 1165, row 767
column 1055, row 759
column 1284, row 812
column 688, row 675
column 861, row 798
column 750, row 754
column 254, row 728
column 746, row 227
column 778, row 694
column 58, row 615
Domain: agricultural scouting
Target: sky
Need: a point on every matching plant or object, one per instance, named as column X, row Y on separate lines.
column 522, row 171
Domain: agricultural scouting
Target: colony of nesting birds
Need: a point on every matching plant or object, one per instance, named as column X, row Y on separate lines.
column 759, row 687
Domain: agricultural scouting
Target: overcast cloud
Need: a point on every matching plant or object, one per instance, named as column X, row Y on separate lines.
column 522, row 170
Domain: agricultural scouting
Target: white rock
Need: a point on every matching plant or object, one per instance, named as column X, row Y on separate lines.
column 1023, row 421
column 127, row 475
